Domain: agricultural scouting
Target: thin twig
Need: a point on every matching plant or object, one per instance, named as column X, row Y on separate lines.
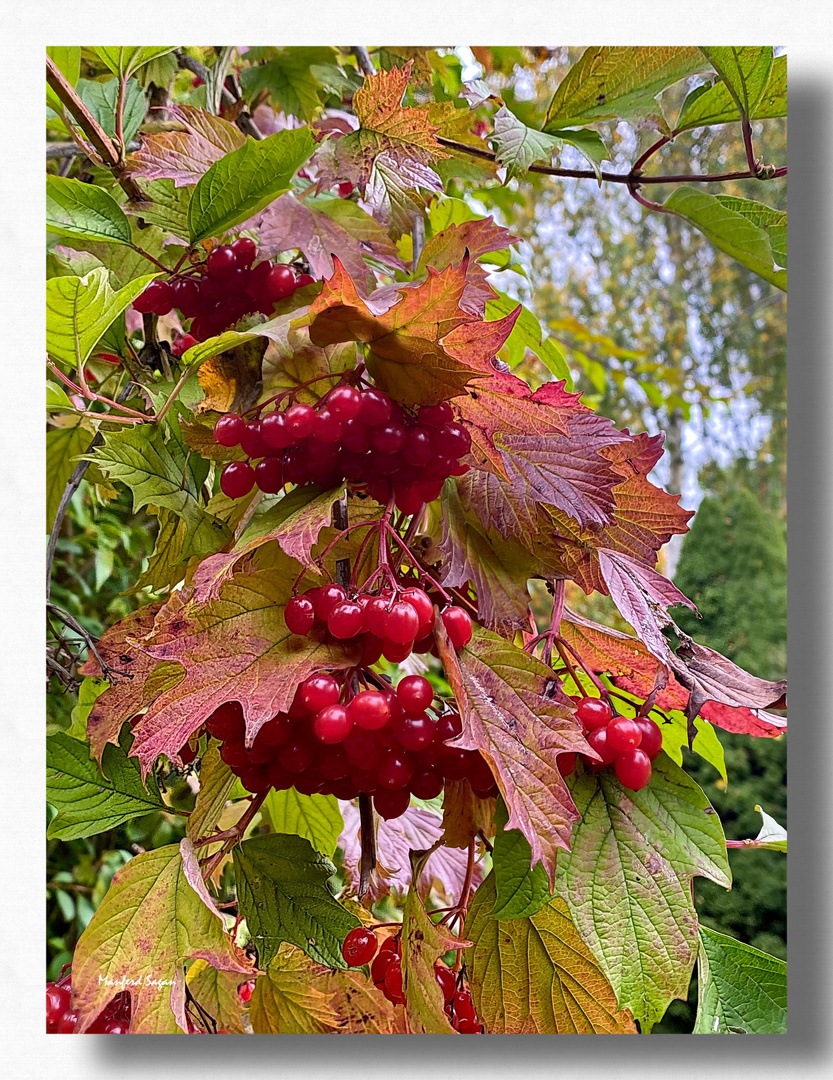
column 73, row 624
column 622, row 178
column 244, row 121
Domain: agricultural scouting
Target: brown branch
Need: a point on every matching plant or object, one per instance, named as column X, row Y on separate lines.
column 363, row 59
column 367, row 863
column 103, row 145
column 630, row 178
column 244, row 121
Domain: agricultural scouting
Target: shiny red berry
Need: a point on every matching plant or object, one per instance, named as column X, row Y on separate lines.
column 458, row 626
column 359, row 947
column 633, row 769
column 594, row 713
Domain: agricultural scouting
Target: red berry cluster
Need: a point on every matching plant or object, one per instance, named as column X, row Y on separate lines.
column 361, row 436
column 360, row 948
column 629, row 745
column 378, row 741
column 222, row 290
column 61, row 1020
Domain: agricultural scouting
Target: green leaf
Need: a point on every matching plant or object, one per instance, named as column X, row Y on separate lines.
column 290, row 79
column 125, row 59
column 67, row 59
column 84, row 210
column 619, row 82
column 706, row 742
column 639, row 850
column 80, row 310
column 89, row 691
column 709, row 105
column 745, row 72
column 316, row 818
column 773, row 222
column 246, row 180
column 156, row 914
column 164, row 473
column 168, row 208
column 286, row 1000
column 284, row 896
column 216, row 783
column 88, row 801
column 731, row 231
column 527, row 334
column 588, row 143
column 63, row 447
column 101, row 98
column 521, row 889
column 740, row 990
column 535, row 975
column 518, row 146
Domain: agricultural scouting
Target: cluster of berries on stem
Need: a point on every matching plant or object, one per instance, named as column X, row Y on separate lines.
column 361, row 946
column 628, row 745
column 358, row 435
column 221, row 291
column 61, row 1019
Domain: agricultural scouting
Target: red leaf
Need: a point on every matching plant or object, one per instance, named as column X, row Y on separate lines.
column 508, row 715
column 235, row 648
column 194, row 140
column 744, row 721
column 708, row 676
column 642, row 596
column 288, row 223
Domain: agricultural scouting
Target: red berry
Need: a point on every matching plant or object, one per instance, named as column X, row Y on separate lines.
column 359, row 947
column 280, row 283
column 633, row 769
column 447, row 980
column 388, row 439
column 157, row 299
column 237, row 479
column 376, row 615
column 269, row 475
column 319, row 691
column 57, row 1003
column 426, row 784
column 299, row 420
column 186, row 296
column 651, row 736
column 371, row 650
column 116, row 1027
column 251, row 441
column 304, row 279
column 325, row 599
column 391, row 804
column 417, row 450
column 344, row 402
column 227, row 722
column 598, row 740
column 376, row 407
column 297, row 755
column 421, row 602
column 434, row 415
column 333, row 724
column 414, row 693
column 370, row 710
column 458, row 626
column 451, row 439
column 566, row 763
column 221, row 262
column 384, row 958
column 245, row 251
column 345, row 620
column 449, row 727
column 299, row 615
column 623, row 734
column 66, row 1025
column 415, row 732
column 396, row 652
column 402, row 623
column 594, row 713
column 275, row 432
column 394, row 770
column 326, row 427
